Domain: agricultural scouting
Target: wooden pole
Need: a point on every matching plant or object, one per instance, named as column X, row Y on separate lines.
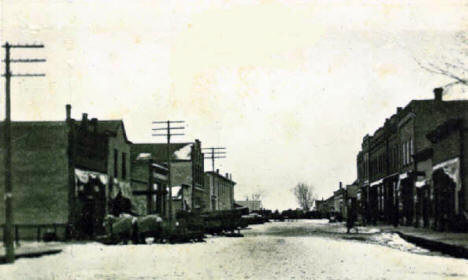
column 8, row 193
column 8, row 230
column 169, row 181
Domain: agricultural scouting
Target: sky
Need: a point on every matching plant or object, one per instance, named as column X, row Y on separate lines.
column 288, row 87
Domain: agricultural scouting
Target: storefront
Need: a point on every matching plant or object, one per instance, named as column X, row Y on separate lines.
column 90, row 198
column 405, row 199
column 447, row 186
column 390, row 190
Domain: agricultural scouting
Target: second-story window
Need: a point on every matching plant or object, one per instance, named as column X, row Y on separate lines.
column 124, row 165
column 411, row 150
column 116, row 158
column 405, row 152
column 408, row 151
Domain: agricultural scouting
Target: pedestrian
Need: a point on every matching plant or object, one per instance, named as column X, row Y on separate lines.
column 351, row 220
column 349, row 224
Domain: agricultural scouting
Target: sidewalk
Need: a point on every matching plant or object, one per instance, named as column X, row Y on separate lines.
column 33, row 249
column 450, row 243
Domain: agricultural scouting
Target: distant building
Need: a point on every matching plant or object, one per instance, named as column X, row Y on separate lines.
column 187, row 168
column 352, row 192
column 67, row 172
column 321, row 206
column 339, row 197
column 220, row 191
column 252, row 205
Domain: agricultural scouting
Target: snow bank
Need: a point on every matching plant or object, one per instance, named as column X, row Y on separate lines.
column 393, row 240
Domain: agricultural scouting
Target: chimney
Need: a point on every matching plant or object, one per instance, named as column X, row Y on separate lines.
column 94, row 124
column 341, row 185
column 217, row 171
column 398, row 110
column 68, row 110
column 438, row 94
column 227, row 175
column 84, row 122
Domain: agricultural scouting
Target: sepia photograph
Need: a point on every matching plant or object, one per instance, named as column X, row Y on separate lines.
column 233, row 139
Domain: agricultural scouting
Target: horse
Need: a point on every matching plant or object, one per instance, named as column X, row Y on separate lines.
column 122, row 228
column 148, row 226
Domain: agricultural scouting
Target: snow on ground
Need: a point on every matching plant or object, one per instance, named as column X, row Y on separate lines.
column 393, row 240
column 259, row 255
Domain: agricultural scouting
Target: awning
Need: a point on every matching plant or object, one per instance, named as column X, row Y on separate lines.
column 378, row 182
column 420, row 183
column 159, row 166
column 143, row 156
column 84, row 175
column 452, row 169
column 159, row 176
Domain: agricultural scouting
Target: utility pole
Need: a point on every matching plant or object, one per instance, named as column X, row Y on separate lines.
column 168, row 135
column 8, row 229
column 215, row 153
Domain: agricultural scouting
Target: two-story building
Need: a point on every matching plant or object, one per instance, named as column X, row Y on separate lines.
column 220, row 191
column 395, row 164
column 67, row 173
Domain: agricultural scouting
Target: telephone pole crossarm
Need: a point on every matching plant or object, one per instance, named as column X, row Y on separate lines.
column 36, row 46
column 25, row 75
column 213, row 153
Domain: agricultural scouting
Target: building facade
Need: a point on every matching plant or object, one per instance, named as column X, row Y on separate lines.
column 395, row 165
column 67, row 173
column 220, row 191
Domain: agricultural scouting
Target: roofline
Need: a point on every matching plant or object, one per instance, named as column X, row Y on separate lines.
column 220, row 175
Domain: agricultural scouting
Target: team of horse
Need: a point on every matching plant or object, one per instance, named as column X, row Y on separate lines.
column 126, row 227
column 187, row 227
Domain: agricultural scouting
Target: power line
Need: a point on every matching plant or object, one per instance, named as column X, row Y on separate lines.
column 8, row 229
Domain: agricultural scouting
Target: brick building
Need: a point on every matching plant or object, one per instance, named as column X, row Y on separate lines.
column 67, row 173
column 395, row 164
column 220, row 191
